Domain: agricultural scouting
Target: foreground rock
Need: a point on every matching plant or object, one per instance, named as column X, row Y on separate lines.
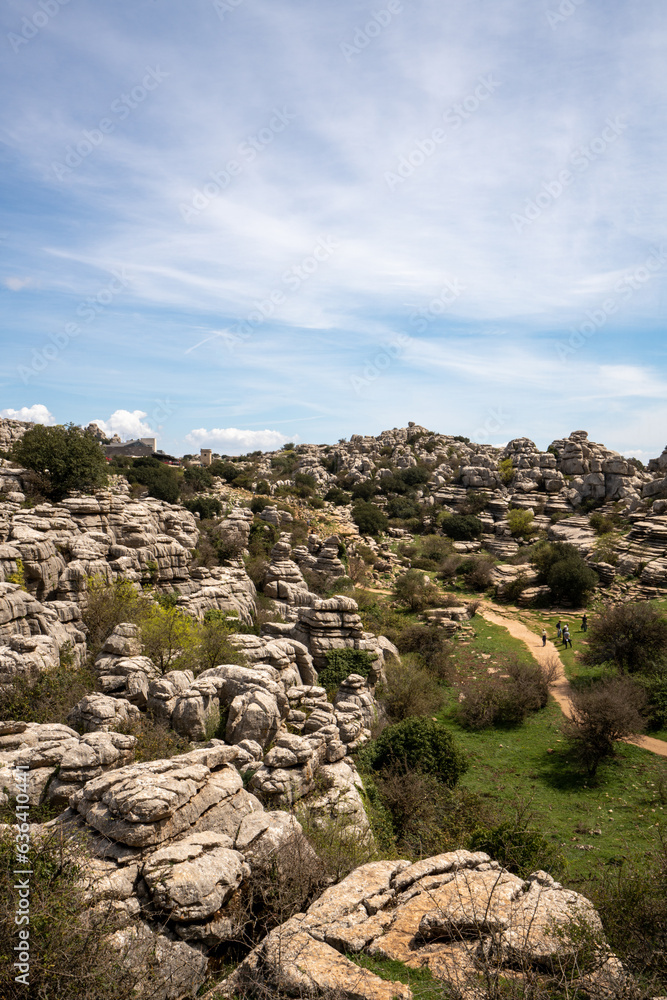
column 455, row 914
column 173, row 844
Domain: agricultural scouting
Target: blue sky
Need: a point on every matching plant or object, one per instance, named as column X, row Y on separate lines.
column 235, row 223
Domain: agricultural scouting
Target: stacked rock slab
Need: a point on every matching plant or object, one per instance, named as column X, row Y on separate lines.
column 334, row 624
column 453, row 914
column 57, row 759
column 172, row 844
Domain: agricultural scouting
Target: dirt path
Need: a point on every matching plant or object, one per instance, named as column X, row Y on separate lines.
column 560, row 688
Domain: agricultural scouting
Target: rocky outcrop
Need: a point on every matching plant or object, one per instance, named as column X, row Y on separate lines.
column 173, row 844
column 122, row 672
column 454, row 914
column 57, row 759
column 334, row 624
column 321, row 559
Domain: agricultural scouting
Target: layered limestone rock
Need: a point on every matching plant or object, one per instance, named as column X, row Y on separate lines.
column 454, row 914
column 57, row 760
column 284, row 580
column 321, row 559
column 172, row 844
column 122, row 672
column 34, row 636
column 334, row 624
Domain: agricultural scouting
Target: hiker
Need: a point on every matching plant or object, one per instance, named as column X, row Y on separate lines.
column 559, row 628
column 584, row 624
column 566, row 637
column 544, row 637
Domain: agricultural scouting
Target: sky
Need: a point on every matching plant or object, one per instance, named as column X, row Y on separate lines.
column 238, row 223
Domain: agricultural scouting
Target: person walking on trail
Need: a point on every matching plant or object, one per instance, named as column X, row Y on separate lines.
column 566, row 637
column 544, row 637
column 584, row 623
column 559, row 628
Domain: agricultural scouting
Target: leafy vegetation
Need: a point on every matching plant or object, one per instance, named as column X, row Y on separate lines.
column 63, row 458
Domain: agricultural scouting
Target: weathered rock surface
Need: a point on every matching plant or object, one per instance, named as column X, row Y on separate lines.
column 451, row 914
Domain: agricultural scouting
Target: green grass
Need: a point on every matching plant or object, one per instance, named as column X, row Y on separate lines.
column 525, row 765
column 495, row 640
column 421, row 982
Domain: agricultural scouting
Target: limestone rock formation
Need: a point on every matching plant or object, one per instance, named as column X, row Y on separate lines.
column 453, row 914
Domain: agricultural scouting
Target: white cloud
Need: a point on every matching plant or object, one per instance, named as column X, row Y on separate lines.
column 35, row 414
column 16, row 284
column 127, row 424
column 234, row 440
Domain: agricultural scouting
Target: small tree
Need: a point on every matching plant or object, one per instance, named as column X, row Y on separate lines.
column 521, row 523
column 412, row 588
column 65, row 458
column 108, row 605
column 169, row 638
column 632, row 635
column 369, row 518
column 604, row 714
column 160, row 480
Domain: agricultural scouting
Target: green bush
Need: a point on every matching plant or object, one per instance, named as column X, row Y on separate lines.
column 369, row 518
column 410, row 691
column 604, row 714
column 518, row 847
column 64, row 458
column 224, row 470
column 506, row 470
column 47, row 697
column 365, row 490
column 160, row 480
column 263, row 488
column 108, row 605
column 633, row 636
column 505, row 698
column 434, row 651
column 572, row 580
column 403, row 508
column 343, row 662
column 462, row 527
column 337, row 496
column 420, row 745
column 206, row 506
column 413, row 589
column 70, row 958
column 521, row 523
column 198, row 478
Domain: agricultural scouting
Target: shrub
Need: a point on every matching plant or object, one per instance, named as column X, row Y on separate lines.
column 521, row 523
column 410, row 690
column 477, row 572
column 571, row 580
column 337, row 496
column 224, row 470
column 518, row 847
column 415, row 475
column 427, row 818
column 494, row 699
column 169, row 637
column 65, row 458
column 343, row 662
column 257, row 504
column 369, row 518
column 206, row 506
column 419, row 745
column 47, row 697
column 655, row 692
column 431, row 646
column 402, row 508
column 160, row 480
column 462, row 527
column 197, row 478
column 108, row 605
column 603, row 714
column 633, row 636
column 154, row 740
column 413, row 589
column 365, row 490
column 506, row 470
